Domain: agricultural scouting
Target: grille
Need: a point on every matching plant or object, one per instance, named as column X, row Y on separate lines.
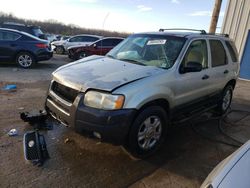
column 32, row 153
column 66, row 93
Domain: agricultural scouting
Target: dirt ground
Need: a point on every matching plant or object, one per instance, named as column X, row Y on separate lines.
column 185, row 160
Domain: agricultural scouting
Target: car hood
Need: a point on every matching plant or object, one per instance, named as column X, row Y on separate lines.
column 102, row 73
column 58, row 43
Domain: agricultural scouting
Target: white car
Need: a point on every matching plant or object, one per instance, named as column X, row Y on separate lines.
column 232, row 172
column 62, row 46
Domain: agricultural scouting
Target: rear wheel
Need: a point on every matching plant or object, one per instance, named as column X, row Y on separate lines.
column 226, row 99
column 25, row 60
column 147, row 132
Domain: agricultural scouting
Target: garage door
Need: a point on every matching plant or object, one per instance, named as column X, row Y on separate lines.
column 245, row 60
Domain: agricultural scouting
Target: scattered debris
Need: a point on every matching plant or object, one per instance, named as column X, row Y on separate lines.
column 35, row 149
column 39, row 120
column 67, row 140
column 98, row 143
column 12, row 132
column 9, row 87
column 21, row 108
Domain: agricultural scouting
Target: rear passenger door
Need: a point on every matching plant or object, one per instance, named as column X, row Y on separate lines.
column 219, row 65
column 8, row 44
column 104, row 46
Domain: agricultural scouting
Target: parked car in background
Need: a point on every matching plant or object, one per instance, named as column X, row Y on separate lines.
column 144, row 85
column 100, row 47
column 62, row 46
column 23, row 48
column 51, row 37
column 232, row 172
column 31, row 29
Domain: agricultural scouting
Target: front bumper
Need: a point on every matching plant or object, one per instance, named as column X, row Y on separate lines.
column 113, row 126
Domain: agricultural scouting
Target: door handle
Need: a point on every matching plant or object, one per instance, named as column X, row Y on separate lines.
column 13, row 45
column 226, row 72
column 205, row 77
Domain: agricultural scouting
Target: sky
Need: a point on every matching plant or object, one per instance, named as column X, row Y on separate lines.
column 118, row 15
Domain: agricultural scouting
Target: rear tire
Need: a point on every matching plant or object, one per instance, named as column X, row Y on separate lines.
column 226, row 99
column 148, row 132
column 25, row 60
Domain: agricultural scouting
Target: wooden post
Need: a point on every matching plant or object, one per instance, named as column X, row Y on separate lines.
column 215, row 16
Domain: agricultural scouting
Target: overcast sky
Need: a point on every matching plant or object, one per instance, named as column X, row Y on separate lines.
column 120, row 15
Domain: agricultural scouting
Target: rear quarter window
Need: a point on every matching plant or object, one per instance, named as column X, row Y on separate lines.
column 232, row 50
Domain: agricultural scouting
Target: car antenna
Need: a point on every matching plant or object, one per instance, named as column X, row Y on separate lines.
column 103, row 23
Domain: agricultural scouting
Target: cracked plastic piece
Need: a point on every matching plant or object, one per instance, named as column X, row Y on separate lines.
column 35, row 149
column 39, row 120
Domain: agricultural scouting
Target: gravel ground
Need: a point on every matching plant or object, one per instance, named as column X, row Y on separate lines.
column 185, row 160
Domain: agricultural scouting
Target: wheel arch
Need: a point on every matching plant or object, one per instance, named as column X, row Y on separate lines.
column 231, row 82
column 27, row 51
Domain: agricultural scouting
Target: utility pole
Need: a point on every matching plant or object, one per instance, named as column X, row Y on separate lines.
column 215, row 16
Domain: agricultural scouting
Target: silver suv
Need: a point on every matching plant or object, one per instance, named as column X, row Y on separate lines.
column 150, row 80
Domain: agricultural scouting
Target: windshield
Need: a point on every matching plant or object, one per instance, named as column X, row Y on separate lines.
column 149, row 50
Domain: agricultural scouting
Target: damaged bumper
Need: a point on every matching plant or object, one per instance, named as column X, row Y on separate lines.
column 110, row 126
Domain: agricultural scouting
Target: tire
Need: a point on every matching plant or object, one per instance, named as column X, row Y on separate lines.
column 226, row 99
column 148, row 132
column 60, row 50
column 82, row 55
column 25, row 60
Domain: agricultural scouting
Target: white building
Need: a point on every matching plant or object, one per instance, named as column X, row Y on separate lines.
column 237, row 24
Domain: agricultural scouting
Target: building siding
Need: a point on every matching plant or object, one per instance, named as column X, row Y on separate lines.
column 236, row 22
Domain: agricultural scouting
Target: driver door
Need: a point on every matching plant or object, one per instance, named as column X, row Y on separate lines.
column 192, row 87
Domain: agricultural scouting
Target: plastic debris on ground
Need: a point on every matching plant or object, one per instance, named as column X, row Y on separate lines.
column 9, row 87
column 35, row 148
column 39, row 120
column 12, row 132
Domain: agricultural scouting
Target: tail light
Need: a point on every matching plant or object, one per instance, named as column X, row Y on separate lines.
column 42, row 45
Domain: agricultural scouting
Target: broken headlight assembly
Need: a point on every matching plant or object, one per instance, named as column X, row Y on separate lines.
column 103, row 101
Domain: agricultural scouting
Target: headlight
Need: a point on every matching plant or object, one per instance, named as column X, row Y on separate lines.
column 103, row 100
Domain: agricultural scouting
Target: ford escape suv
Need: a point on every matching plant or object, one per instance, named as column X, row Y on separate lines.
column 134, row 93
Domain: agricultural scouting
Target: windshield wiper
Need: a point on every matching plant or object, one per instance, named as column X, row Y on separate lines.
column 133, row 61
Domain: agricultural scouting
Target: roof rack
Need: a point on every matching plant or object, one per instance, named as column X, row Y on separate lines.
column 220, row 34
column 183, row 29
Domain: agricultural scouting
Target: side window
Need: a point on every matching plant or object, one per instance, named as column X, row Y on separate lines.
column 232, row 50
column 107, row 42
column 116, row 41
column 8, row 36
column 88, row 39
column 218, row 53
column 197, row 52
column 74, row 39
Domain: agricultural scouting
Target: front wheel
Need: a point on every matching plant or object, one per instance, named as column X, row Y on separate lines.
column 147, row 132
column 82, row 55
column 25, row 60
column 60, row 50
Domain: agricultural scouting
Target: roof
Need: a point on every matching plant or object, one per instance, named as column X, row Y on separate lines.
column 187, row 33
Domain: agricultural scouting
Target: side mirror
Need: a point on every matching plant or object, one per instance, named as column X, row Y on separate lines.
column 192, row 66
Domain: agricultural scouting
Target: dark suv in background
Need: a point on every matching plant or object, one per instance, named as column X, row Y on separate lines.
column 31, row 29
column 23, row 48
